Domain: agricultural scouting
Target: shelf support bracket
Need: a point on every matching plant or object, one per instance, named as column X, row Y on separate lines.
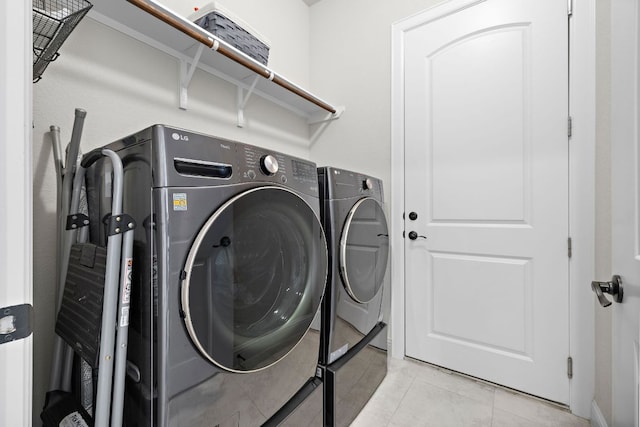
column 243, row 99
column 323, row 122
column 186, row 74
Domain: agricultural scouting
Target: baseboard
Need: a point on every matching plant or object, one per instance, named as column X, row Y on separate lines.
column 597, row 419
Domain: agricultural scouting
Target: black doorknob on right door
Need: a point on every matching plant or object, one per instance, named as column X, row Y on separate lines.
column 413, row 216
column 413, row 235
column 613, row 288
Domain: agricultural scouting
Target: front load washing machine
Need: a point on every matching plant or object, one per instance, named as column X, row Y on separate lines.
column 353, row 333
column 230, row 264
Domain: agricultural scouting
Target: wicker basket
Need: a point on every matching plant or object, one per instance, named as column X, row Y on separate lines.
column 220, row 25
column 53, row 21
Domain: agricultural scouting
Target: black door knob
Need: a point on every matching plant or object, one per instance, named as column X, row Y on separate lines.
column 413, row 216
column 413, row 235
column 613, row 288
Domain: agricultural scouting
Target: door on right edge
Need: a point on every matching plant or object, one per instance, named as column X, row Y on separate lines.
column 486, row 159
column 625, row 210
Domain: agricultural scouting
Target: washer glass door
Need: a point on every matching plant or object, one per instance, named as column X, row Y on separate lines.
column 255, row 277
column 364, row 250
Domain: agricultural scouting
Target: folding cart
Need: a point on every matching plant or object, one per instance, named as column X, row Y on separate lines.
column 93, row 298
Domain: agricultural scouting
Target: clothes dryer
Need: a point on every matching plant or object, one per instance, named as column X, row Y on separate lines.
column 353, row 333
column 230, row 264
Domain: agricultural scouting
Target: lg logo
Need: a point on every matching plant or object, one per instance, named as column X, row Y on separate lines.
column 177, row 137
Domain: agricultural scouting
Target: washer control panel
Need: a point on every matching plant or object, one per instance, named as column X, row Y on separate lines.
column 255, row 163
column 258, row 164
column 189, row 158
column 304, row 171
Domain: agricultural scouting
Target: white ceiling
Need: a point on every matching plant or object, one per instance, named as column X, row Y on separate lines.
column 310, row 2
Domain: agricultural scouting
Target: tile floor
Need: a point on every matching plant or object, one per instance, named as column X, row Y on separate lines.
column 415, row 394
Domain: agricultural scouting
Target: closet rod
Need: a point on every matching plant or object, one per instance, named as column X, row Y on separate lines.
column 225, row 49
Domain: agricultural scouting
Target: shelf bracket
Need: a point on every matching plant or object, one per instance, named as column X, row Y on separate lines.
column 186, row 74
column 323, row 122
column 243, row 99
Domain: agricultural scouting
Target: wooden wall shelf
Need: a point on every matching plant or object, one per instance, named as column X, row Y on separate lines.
column 155, row 25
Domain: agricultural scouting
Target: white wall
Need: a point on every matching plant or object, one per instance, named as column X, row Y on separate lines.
column 351, row 64
column 125, row 86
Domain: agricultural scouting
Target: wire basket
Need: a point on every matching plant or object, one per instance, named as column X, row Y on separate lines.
column 53, row 21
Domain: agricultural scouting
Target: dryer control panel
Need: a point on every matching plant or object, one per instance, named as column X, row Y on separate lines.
column 344, row 184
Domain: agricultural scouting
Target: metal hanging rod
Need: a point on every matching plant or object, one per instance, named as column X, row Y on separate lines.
column 220, row 46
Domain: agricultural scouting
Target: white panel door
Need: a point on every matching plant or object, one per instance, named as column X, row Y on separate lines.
column 625, row 210
column 486, row 158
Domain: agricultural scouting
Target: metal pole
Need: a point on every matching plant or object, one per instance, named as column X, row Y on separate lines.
column 71, row 235
column 110, row 302
column 56, row 372
column 59, row 167
column 122, row 335
column 61, row 350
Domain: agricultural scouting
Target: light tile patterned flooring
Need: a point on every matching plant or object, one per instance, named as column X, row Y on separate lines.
column 416, row 394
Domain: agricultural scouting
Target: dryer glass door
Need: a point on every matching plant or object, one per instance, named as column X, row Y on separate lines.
column 364, row 250
column 255, row 277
